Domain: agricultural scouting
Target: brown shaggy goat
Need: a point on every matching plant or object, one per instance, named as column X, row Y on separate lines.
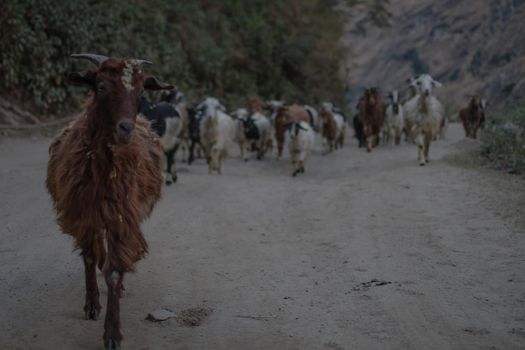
column 332, row 130
column 372, row 116
column 104, row 176
column 472, row 116
column 285, row 116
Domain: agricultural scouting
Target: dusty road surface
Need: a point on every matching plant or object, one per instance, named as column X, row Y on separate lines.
column 364, row 251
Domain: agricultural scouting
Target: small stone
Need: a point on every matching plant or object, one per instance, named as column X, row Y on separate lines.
column 160, row 315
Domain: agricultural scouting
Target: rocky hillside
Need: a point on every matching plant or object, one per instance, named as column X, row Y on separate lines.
column 470, row 46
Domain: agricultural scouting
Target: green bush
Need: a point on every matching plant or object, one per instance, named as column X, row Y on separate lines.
column 503, row 140
column 277, row 49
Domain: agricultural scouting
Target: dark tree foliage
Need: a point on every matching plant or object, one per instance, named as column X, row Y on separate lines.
column 285, row 49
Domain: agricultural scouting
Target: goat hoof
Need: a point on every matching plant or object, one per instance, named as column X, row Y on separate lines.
column 168, row 182
column 111, row 344
column 91, row 311
column 174, row 178
column 422, row 164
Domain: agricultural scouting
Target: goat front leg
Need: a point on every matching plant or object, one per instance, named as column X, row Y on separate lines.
column 280, row 144
column 302, row 159
column 428, row 139
column 191, row 152
column 241, row 149
column 92, row 306
column 171, row 169
column 261, row 148
column 369, row 143
column 184, row 151
column 247, row 151
column 420, row 149
column 295, row 169
column 112, row 334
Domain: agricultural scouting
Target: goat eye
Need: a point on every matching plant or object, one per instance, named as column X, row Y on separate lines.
column 101, row 87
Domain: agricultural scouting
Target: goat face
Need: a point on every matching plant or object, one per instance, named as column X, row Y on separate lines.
column 327, row 106
column 394, row 97
column 256, row 104
column 210, row 106
column 117, row 86
column 475, row 103
column 483, row 104
column 240, row 114
column 195, row 117
column 425, row 83
column 371, row 97
column 326, row 117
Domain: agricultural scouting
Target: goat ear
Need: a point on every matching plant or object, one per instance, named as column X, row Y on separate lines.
column 83, row 78
column 152, row 83
column 436, row 83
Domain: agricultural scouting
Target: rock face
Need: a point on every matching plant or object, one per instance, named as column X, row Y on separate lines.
column 470, row 46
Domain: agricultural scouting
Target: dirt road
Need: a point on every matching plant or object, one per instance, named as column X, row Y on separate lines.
column 364, row 251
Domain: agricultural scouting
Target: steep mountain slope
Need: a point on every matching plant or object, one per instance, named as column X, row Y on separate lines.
column 470, row 46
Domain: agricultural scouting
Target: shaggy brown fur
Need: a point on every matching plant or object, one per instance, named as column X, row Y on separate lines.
column 285, row 116
column 329, row 128
column 372, row 116
column 102, row 192
column 104, row 176
column 472, row 116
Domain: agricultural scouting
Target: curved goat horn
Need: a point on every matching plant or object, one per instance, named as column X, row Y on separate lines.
column 141, row 62
column 94, row 58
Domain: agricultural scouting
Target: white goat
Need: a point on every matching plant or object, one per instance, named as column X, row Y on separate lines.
column 300, row 138
column 423, row 115
column 252, row 132
column 423, row 84
column 394, row 120
column 218, row 131
column 240, row 115
column 264, row 131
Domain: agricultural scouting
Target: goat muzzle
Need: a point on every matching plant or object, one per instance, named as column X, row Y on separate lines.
column 396, row 108
column 124, row 130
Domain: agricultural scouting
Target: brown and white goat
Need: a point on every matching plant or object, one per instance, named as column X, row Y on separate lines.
column 286, row 115
column 104, row 176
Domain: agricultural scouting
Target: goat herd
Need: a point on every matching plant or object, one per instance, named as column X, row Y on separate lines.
column 208, row 129
column 104, row 169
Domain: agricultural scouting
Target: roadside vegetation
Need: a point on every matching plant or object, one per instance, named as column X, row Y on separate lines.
column 232, row 49
column 503, row 140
